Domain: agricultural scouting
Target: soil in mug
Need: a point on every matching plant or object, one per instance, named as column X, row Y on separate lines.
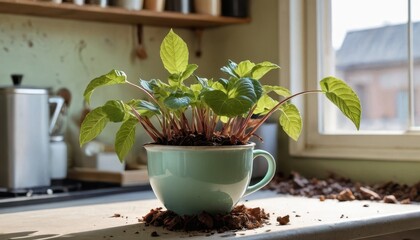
column 194, row 139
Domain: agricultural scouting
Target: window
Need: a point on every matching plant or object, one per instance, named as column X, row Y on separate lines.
column 374, row 45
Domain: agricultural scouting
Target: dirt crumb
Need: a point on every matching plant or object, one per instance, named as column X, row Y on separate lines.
column 283, row 220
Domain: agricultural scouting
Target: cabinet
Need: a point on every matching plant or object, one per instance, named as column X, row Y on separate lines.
column 115, row 15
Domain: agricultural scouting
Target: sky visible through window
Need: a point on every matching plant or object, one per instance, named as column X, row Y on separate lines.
column 369, row 38
column 350, row 15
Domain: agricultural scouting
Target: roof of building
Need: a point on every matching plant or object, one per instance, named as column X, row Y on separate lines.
column 377, row 46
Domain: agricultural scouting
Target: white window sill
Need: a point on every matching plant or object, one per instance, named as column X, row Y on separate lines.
column 309, row 219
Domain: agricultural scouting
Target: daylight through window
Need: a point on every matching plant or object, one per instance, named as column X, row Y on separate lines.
column 373, row 44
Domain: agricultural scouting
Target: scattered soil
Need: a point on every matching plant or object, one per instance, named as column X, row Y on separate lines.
column 283, row 220
column 344, row 189
column 240, row 218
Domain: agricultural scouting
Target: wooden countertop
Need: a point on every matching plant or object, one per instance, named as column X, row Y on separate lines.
column 309, row 219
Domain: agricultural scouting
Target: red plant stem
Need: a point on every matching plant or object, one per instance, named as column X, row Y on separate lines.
column 185, row 122
column 211, row 126
column 226, row 127
column 193, row 120
column 152, row 127
column 145, row 91
column 147, row 125
column 245, row 123
column 263, row 119
column 154, row 137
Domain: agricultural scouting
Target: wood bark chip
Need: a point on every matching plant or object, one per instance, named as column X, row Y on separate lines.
column 366, row 192
column 346, row 195
column 390, row 199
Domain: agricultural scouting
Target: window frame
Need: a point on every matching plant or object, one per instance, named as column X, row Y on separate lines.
column 309, row 25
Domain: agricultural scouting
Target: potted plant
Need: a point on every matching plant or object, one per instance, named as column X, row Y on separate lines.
column 201, row 155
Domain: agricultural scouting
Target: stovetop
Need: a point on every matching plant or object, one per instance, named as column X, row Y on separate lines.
column 62, row 190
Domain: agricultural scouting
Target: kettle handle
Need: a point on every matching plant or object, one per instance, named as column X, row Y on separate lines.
column 59, row 101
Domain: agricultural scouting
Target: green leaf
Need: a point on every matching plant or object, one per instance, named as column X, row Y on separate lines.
column 177, row 100
column 93, row 124
column 290, row 120
column 147, row 106
column 262, row 68
column 188, row 71
column 281, row 91
column 343, row 96
column 115, row 111
column 174, row 53
column 148, row 85
column 230, row 69
column 236, row 102
column 265, row 104
column 219, row 86
column 156, row 87
column 125, row 137
column 258, row 89
column 111, row 78
column 144, row 108
column 197, row 89
column 224, row 119
column 173, row 80
column 203, row 81
column 244, row 68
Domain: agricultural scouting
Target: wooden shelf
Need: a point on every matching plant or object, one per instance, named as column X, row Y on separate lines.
column 115, row 14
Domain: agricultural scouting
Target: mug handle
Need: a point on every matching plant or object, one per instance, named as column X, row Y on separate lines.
column 271, row 171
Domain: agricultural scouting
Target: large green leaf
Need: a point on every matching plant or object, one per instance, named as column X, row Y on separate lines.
column 93, row 124
column 115, row 110
column 290, row 120
column 260, row 69
column 177, row 100
column 111, row 78
column 174, row 53
column 258, row 88
column 343, row 96
column 265, row 104
column 281, row 91
column 125, row 137
column 238, row 101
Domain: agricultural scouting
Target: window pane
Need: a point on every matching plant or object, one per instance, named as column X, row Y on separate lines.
column 415, row 15
column 369, row 38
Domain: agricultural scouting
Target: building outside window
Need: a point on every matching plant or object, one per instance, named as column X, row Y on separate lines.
column 374, row 45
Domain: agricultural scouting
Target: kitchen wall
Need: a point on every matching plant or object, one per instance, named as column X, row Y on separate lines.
column 65, row 53
column 59, row 53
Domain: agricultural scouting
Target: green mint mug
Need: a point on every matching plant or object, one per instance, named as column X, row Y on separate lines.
column 192, row 179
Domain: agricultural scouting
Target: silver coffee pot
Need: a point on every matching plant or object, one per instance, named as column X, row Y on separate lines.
column 25, row 128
